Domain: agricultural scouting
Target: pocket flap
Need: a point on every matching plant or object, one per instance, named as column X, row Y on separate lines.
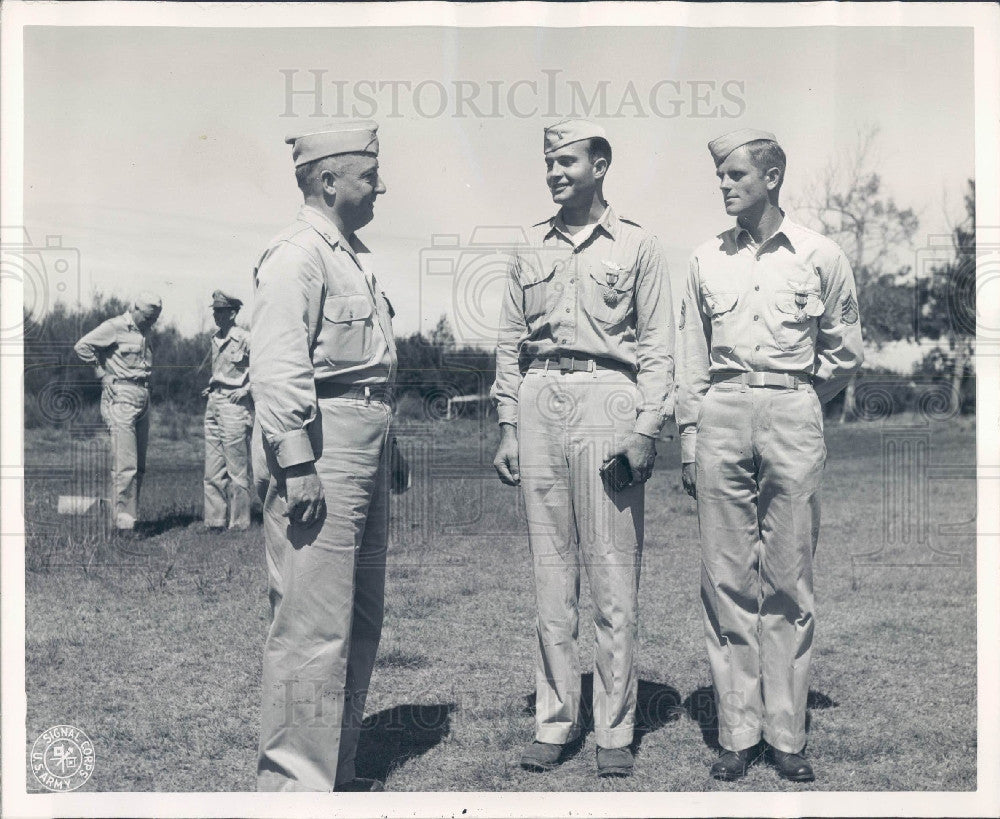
column 719, row 303
column 813, row 307
column 353, row 307
column 617, row 286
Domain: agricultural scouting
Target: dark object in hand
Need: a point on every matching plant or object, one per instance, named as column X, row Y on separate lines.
column 617, row 473
column 400, row 471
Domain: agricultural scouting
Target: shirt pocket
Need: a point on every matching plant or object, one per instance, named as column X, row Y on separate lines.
column 539, row 291
column 721, row 308
column 131, row 355
column 608, row 303
column 797, row 314
column 346, row 338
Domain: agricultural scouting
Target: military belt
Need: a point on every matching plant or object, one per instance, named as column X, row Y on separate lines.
column 364, row 392
column 138, row 382
column 756, row 378
column 569, row 364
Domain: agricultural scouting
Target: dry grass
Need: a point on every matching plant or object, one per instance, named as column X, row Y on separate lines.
column 153, row 647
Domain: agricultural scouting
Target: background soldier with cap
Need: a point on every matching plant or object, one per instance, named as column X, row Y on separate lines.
column 323, row 363
column 228, row 420
column 120, row 353
column 584, row 372
column 769, row 333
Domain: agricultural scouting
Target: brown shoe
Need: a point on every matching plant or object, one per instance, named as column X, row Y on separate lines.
column 541, row 756
column 360, row 784
column 614, row 762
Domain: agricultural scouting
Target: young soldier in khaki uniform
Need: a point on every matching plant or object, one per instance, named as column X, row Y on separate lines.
column 769, row 333
column 120, row 353
column 228, row 420
column 584, row 371
column 323, row 363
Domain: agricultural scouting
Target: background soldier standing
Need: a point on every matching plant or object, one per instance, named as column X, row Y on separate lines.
column 769, row 330
column 584, row 372
column 323, row 362
column 120, row 353
column 228, row 420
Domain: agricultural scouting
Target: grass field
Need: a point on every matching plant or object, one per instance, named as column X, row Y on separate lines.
column 153, row 646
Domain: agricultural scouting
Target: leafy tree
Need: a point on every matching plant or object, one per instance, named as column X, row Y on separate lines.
column 847, row 203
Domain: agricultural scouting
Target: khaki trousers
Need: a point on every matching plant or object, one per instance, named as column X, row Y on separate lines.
column 227, row 462
column 125, row 410
column 326, row 586
column 568, row 424
column 760, row 456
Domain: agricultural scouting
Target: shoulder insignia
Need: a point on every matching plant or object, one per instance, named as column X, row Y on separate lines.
column 849, row 309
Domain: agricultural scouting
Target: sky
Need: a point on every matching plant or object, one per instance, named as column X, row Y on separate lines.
column 158, row 154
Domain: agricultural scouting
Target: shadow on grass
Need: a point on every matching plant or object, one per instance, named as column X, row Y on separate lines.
column 656, row 705
column 172, row 520
column 403, row 732
column 700, row 706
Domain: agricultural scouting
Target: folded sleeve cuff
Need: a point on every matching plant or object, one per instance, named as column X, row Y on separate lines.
column 649, row 423
column 688, row 438
column 507, row 414
column 293, row 448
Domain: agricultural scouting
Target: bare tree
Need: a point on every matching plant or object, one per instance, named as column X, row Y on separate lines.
column 846, row 202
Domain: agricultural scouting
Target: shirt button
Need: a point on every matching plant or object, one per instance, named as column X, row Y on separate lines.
column 756, row 287
column 571, row 281
column 757, row 347
column 756, row 318
column 567, row 309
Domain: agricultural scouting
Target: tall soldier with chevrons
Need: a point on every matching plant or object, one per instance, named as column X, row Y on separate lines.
column 323, row 364
column 769, row 333
column 584, row 372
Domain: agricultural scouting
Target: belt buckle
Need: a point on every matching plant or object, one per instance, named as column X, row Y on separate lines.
column 566, row 364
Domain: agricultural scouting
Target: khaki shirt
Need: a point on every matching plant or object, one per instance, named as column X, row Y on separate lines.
column 230, row 359
column 788, row 305
column 318, row 317
column 117, row 348
column 601, row 293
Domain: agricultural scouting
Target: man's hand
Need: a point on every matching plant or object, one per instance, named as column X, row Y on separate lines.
column 688, row 473
column 641, row 453
column 303, row 495
column 205, row 392
column 238, row 395
column 506, row 462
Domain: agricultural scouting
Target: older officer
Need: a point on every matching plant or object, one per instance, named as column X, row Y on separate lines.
column 769, row 331
column 120, row 353
column 228, row 420
column 584, row 372
column 322, row 366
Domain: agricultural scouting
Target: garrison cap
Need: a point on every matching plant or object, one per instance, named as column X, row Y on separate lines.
column 572, row 130
column 352, row 136
column 146, row 302
column 724, row 145
column 222, row 300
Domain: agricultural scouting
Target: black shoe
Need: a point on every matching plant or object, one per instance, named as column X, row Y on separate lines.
column 360, row 784
column 731, row 765
column 614, row 762
column 541, row 756
column 793, row 767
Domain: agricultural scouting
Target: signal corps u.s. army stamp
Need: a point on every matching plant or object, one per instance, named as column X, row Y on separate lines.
column 62, row 758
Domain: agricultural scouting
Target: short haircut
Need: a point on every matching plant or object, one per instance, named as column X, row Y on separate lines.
column 308, row 174
column 599, row 148
column 766, row 154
